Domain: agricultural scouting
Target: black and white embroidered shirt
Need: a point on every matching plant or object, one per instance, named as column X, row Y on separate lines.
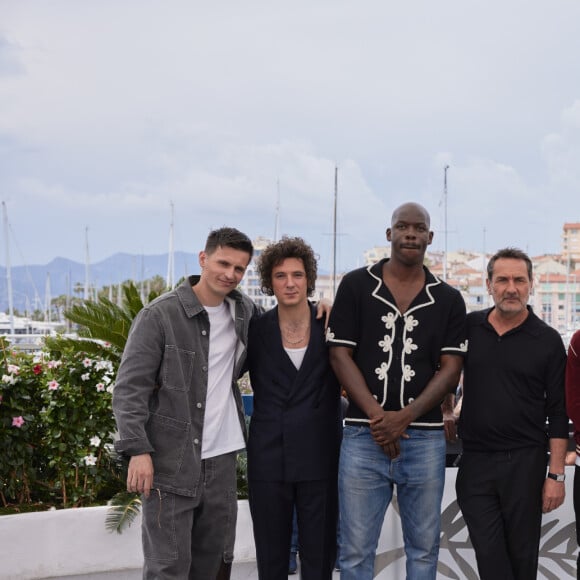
column 397, row 353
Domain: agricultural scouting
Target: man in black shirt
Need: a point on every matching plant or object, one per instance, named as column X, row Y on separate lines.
column 397, row 340
column 513, row 382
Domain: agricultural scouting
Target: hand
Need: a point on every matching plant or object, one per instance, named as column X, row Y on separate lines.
column 388, row 427
column 392, row 450
column 449, row 426
column 140, row 474
column 553, row 495
column 323, row 309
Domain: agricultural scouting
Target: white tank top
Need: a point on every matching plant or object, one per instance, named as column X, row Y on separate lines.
column 296, row 355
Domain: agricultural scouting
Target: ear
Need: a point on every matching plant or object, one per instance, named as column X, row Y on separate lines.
column 202, row 257
column 488, row 284
column 388, row 234
column 430, row 238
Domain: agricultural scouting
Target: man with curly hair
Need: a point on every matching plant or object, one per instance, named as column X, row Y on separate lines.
column 295, row 428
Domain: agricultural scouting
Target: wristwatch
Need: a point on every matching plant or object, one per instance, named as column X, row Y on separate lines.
column 557, row 476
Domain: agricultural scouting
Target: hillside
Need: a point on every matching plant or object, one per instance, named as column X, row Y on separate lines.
column 29, row 283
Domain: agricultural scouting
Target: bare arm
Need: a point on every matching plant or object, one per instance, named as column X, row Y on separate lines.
column 554, row 492
column 352, row 380
column 448, row 417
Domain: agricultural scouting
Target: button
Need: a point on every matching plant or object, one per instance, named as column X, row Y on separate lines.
column 199, row 405
column 411, row 399
column 204, row 332
column 196, row 441
column 204, row 368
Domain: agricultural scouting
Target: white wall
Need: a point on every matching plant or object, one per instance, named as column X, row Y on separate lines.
column 75, row 541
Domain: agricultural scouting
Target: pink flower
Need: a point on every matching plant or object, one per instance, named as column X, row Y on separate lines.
column 53, row 385
column 100, row 387
column 17, row 421
column 87, row 363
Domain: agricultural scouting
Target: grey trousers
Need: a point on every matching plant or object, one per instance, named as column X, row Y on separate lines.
column 192, row 537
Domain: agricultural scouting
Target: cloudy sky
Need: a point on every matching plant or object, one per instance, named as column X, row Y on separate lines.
column 112, row 109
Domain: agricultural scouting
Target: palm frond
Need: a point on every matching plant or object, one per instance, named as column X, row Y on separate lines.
column 101, row 320
column 124, row 507
column 95, row 349
column 132, row 302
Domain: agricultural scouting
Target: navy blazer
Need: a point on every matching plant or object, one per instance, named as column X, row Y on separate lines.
column 296, row 423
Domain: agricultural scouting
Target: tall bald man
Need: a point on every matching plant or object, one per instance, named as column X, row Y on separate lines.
column 397, row 338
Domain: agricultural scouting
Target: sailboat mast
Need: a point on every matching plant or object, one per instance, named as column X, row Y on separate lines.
column 8, row 269
column 445, row 221
column 334, row 232
column 87, row 268
column 47, row 299
column 170, row 261
column 277, row 219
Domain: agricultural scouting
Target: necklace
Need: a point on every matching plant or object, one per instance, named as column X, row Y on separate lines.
column 286, row 332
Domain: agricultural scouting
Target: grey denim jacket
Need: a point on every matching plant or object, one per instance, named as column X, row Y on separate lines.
column 161, row 387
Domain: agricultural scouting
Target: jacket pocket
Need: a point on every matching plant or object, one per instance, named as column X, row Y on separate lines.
column 177, row 368
column 169, row 438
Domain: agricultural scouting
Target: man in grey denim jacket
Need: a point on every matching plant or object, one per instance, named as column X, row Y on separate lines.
column 180, row 417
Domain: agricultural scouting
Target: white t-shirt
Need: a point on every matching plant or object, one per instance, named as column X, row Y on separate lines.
column 222, row 432
column 296, row 355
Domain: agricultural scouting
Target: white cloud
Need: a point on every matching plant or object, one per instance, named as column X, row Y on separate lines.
column 110, row 110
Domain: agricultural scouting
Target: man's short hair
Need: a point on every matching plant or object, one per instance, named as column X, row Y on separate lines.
column 277, row 252
column 512, row 254
column 228, row 238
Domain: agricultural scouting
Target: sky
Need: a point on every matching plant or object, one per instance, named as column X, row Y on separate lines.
column 113, row 110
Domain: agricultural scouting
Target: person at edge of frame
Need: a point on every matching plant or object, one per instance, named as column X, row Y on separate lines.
column 573, row 409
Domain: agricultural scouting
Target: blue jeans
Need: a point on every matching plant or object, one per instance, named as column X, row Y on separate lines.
column 366, row 480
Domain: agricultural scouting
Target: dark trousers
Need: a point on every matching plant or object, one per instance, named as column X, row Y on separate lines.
column 272, row 505
column 500, row 495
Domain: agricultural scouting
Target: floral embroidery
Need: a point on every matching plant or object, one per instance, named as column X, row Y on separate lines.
column 410, row 323
column 382, row 371
column 385, row 344
column 408, row 373
column 389, row 320
column 329, row 334
column 463, row 346
column 409, row 346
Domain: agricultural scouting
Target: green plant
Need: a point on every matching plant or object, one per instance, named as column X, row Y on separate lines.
column 20, row 430
column 79, row 424
column 124, row 507
column 56, row 429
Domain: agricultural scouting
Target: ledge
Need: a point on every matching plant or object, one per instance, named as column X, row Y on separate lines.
column 75, row 541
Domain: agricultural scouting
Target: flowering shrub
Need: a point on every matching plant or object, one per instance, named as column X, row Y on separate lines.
column 56, row 429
